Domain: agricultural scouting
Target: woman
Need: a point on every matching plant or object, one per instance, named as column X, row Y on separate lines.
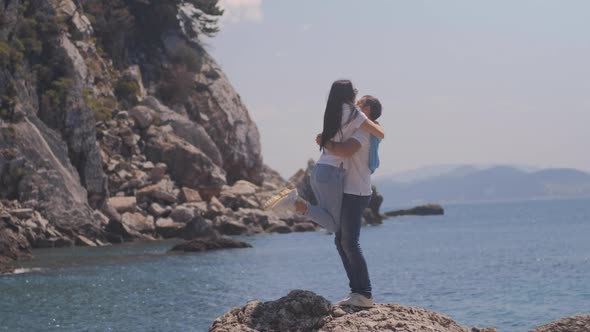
column 341, row 119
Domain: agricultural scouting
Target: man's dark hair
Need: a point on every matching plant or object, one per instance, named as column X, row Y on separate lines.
column 375, row 106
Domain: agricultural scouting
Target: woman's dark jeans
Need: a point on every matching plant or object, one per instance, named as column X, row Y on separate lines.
column 347, row 243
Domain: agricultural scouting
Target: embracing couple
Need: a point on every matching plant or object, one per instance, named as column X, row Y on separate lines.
column 341, row 181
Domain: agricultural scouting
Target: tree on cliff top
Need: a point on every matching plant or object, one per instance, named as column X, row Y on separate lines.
column 122, row 25
column 206, row 16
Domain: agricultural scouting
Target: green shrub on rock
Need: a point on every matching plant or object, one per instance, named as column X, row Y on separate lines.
column 102, row 106
column 127, row 90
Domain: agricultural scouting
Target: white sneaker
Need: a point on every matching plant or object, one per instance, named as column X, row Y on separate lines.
column 358, row 300
column 344, row 300
column 283, row 201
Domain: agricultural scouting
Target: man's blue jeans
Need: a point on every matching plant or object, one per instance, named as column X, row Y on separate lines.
column 347, row 243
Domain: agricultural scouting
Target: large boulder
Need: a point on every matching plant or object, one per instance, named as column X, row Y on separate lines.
column 183, row 127
column 13, row 243
column 37, row 169
column 305, row 311
column 187, row 165
column 228, row 122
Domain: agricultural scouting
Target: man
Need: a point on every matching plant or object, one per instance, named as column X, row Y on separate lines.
column 357, row 194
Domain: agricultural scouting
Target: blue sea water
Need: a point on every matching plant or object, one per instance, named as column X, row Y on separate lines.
column 511, row 265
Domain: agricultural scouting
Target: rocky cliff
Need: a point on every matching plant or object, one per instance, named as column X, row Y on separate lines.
column 116, row 125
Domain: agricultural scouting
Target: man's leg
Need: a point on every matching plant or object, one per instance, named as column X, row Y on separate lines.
column 352, row 212
column 345, row 262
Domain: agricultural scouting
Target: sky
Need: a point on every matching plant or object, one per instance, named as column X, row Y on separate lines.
column 461, row 82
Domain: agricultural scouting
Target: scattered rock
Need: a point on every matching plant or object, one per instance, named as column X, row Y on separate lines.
column 81, row 240
column 231, row 227
column 182, row 214
column 423, row 210
column 168, row 228
column 278, row 226
column 22, row 213
column 188, row 195
column 210, row 243
column 158, row 172
column 123, row 204
column 156, row 210
column 142, row 115
column 137, row 222
column 197, row 227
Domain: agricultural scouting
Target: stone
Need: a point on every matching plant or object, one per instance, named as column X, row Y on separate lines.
column 122, row 115
column 168, row 228
column 164, row 196
column 182, row 214
column 81, row 240
column 40, row 221
column 147, row 166
column 22, row 213
column 231, row 227
column 188, row 195
column 304, row 227
column 142, row 116
column 243, row 187
column 137, row 222
column 156, row 210
column 278, row 226
column 210, row 243
column 101, row 217
column 198, row 227
column 158, row 172
column 155, row 192
column 423, row 210
column 123, row 204
column 215, row 204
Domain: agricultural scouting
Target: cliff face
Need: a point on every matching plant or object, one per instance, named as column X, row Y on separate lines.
column 110, row 101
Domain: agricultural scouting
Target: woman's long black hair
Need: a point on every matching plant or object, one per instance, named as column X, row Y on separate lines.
column 341, row 92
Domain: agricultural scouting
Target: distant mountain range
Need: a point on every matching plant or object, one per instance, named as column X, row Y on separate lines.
column 467, row 183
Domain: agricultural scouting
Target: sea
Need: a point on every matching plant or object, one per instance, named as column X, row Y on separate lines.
column 513, row 266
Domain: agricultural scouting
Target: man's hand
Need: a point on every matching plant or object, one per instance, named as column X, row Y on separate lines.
column 318, row 139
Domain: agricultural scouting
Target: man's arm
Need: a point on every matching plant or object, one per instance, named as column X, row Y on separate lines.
column 373, row 128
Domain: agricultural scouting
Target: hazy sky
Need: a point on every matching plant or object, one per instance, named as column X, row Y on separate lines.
column 460, row 81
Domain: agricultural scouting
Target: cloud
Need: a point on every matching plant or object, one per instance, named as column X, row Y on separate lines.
column 242, row 10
